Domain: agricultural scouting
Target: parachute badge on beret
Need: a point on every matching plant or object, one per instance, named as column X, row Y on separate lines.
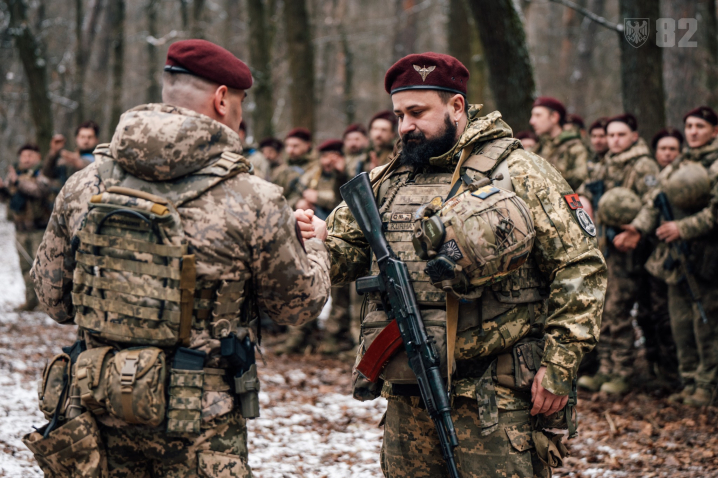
column 424, row 71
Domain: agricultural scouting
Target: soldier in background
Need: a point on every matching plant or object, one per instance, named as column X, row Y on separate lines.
column 382, row 133
column 528, row 139
column 60, row 163
column 691, row 186
column 29, row 206
column 629, row 166
column 280, row 172
column 300, row 157
column 271, row 148
column 318, row 191
column 245, row 252
column 356, row 150
column 253, row 154
column 563, row 149
column 667, row 145
column 575, row 123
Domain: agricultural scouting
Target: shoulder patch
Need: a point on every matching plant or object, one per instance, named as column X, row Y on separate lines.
column 573, row 201
column 650, row 180
column 586, row 223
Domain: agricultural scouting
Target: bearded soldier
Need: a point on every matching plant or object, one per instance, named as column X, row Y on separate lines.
column 690, row 186
column 627, row 172
column 564, row 149
column 162, row 251
column 546, row 298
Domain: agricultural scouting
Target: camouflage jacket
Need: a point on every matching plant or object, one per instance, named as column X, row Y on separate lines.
column 567, row 153
column 690, row 226
column 634, row 169
column 565, row 255
column 240, row 229
column 358, row 163
column 260, row 163
column 284, row 176
column 326, row 184
column 383, row 155
column 29, row 200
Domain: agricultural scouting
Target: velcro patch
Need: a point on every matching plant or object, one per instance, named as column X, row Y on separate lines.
column 573, row 201
column 485, row 192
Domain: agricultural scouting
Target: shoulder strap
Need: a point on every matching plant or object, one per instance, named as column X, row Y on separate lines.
column 485, row 161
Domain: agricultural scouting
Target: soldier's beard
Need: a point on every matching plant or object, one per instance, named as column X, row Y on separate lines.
column 417, row 149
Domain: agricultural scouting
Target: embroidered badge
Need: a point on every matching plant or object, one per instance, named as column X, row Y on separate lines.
column 485, row 192
column 573, row 201
column 584, row 220
column 424, row 71
column 651, row 181
column 451, row 250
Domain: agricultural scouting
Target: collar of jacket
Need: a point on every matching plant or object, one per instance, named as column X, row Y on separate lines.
column 638, row 149
column 698, row 154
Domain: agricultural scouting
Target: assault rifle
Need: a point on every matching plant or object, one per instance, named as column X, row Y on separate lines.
column 399, row 301
column 679, row 257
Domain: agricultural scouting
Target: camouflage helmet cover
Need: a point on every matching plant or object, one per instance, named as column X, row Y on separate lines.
column 618, row 206
column 689, row 187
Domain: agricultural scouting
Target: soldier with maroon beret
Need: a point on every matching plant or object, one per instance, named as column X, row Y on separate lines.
column 667, row 145
column 443, row 139
column 356, row 149
column 169, row 213
column 564, row 149
column 528, row 139
column 382, row 133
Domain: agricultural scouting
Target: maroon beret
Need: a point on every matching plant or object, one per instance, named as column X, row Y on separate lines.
column 552, row 104
column 575, row 119
column 626, row 118
column 427, row 71
column 209, row 61
column 526, row 134
column 301, row 133
column 272, row 143
column 334, row 145
column 665, row 133
column 385, row 115
column 705, row 113
column 355, row 128
column 601, row 122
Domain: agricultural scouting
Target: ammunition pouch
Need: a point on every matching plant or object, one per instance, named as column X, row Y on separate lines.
column 184, row 412
column 73, row 450
column 54, row 380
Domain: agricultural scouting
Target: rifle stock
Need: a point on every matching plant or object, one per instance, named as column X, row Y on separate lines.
column 400, row 304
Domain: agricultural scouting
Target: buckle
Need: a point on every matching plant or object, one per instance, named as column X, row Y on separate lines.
column 129, row 371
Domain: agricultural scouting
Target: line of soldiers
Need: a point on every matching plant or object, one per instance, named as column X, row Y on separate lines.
column 30, row 188
column 661, row 269
column 164, row 250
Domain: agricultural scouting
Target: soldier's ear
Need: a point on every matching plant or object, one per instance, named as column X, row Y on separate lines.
column 220, row 101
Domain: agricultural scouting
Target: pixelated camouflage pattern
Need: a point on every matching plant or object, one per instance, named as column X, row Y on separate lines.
column 326, row 185
column 220, row 450
column 284, row 176
column 411, row 446
column 36, row 193
column 688, row 187
column 357, row 163
column 260, row 164
column 563, row 253
column 28, row 242
column 618, row 206
column 568, row 154
column 73, row 450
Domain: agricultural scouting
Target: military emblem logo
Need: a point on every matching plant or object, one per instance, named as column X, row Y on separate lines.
column 635, row 30
column 451, row 250
column 584, row 220
column 651, row 180
column 573, row 201
column 424, row 71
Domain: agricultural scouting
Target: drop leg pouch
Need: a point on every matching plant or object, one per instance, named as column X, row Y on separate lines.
column 74, row 450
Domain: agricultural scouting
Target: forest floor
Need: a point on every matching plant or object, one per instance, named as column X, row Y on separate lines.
column 311, row 427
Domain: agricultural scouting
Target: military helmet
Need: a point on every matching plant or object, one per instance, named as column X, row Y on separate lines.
column 473, row 239
column 618, row 206
column 689, row 187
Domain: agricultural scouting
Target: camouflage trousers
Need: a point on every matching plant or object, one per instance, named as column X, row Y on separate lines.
column 27, row 244
column 696, row 342
column 616, row 349
column 339, row 319
column 411, row 446
column 143, row 452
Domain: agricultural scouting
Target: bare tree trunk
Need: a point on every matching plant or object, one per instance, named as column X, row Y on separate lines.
column 405, row 39
column 260, row 59
column 32, row 53
column 197, row 28
column 154, row 94
column 642, row 70
column 118, row 58
column 348, row 90
column 511, row 77
column 184, row 14
column 459, row 32
column 300, row 51
column 583, row 66
column 707, row 11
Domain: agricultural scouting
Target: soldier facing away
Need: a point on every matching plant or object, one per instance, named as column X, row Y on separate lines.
column 564, row 149
column 162, row 251
column 690, row 185
column 527, row 307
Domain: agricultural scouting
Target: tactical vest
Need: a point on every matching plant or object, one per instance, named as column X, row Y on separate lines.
column 135, row 282
column 401, row 194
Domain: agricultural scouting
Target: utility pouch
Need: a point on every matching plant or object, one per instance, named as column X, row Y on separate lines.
column 49, row 390
column 136, row 386
column 73, row 450
column 240, row 356
column 90, row 378
column 517, row 368
column 184, row 414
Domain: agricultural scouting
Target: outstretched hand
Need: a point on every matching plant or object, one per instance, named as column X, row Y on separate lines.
column 544, row 401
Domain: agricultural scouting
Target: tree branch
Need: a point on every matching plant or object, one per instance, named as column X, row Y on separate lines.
column 590, row 15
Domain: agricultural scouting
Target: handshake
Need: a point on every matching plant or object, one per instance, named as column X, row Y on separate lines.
column 310, row 225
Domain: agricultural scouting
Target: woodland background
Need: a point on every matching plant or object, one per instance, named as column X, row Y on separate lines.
column 321, row 63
